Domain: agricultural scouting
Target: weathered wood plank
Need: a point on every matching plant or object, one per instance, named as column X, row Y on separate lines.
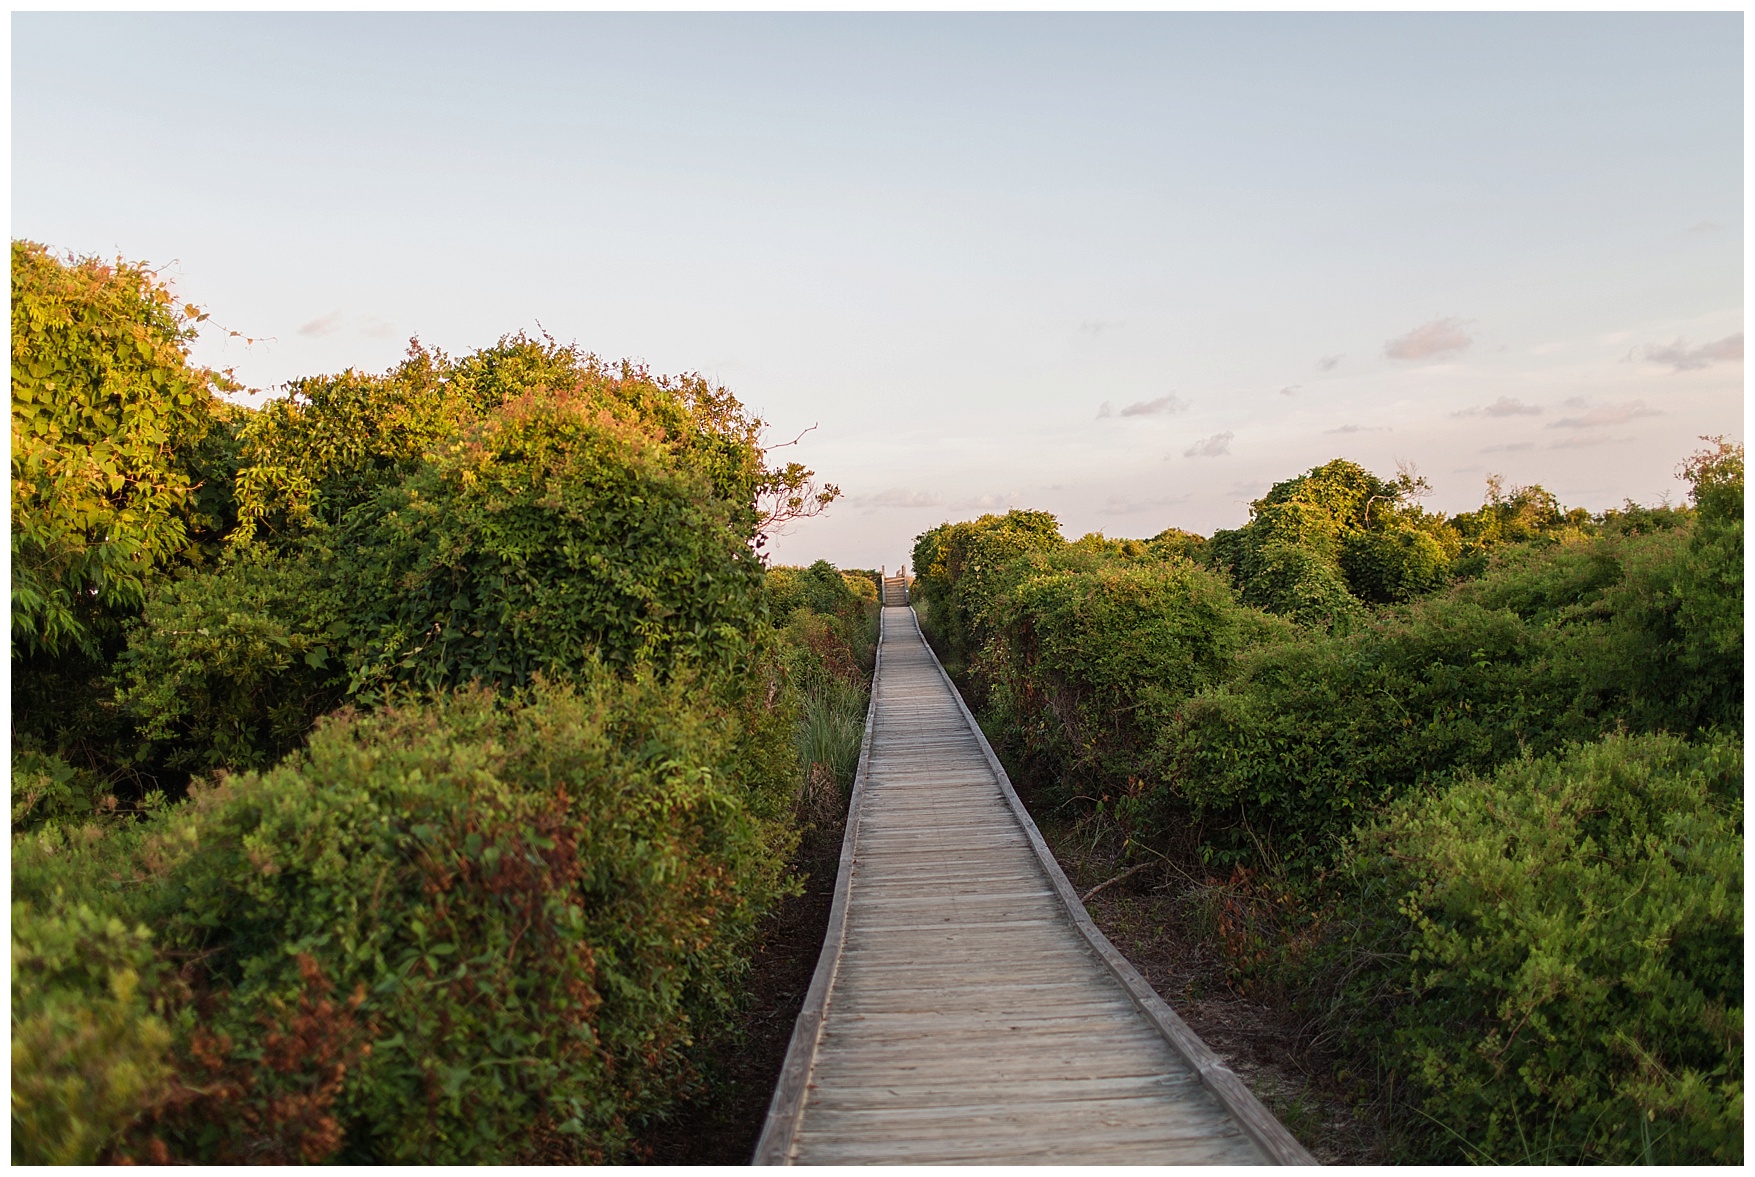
column 964, row 1010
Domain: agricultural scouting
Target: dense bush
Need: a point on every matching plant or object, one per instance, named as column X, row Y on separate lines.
column 1554, row 644
column 961, row 568
column 530, row 906
column 1091, row 654
column 1317, row 544
column 827, row 642
column 335, row 441
column 229, row 668
column 1566, row 939
column 89, row 1054
column 481, row 922
column 546, row 534
column 1536, row 935
column 107, row 418
column 556, row 528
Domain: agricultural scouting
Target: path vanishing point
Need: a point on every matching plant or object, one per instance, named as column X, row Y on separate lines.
column 964, row 1007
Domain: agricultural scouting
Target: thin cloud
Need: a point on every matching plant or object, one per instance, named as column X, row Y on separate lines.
column 1122, row 505
column 1096, row 327
column 1164, row 406
column 1510, row 447
column 898, row 497
column 327, row 325
column 1290, row 390
column 1327, row 363
column 1505, row 406
column 1360, row 429
column 1606, row 415
column 1216, row 446
column 1701, row 229
column 1682, row 358
column 989, row 502
column 1437, row 338
column 1581, row 441
column 376, row 328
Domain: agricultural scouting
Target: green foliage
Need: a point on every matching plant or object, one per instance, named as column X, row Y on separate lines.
column 827, row 642
column 961, row 568
column 45, row 788
column 1521, row 515
column 547, row 535
column 1390, row 564
column 90, row 1043
column 1709, row 587
column 1093, row 652
column 1568, row 955
column 107, row 420
column 539, row 900
column 88, row 1052
column 335, row 442
column 556, row 528
column 230, row 667
column 819, row 588
column 1555, row 643
column 1337, row 534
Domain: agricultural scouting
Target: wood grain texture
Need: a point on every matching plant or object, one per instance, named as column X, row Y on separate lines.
column 964, row 1009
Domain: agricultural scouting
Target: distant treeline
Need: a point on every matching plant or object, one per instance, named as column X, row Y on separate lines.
column 1470, row 787
column 400, row 770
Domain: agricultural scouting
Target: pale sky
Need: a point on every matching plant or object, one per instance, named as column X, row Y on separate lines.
column 1131, row 269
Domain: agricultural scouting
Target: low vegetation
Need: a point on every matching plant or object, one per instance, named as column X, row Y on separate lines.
column 1465, row 790
column 402, row 771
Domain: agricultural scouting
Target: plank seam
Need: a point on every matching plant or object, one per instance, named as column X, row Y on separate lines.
column 1263, row 1127
column 786, row 1108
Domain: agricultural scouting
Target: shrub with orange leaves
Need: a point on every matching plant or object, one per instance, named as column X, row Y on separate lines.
column 534, row 903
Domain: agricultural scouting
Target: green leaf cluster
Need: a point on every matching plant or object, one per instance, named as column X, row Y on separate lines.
column 487, row 910
column 1567, row 948
column 108, row 421
column 538, row 899
column 1251, row 704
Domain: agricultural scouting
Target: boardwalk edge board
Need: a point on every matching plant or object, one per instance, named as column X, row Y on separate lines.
column 1262, row 1126
column 786, row 1109
column 787, row 1106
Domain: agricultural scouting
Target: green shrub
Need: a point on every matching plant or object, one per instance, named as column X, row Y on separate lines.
column 1297, row 582
column 230, row 667
column 819, row 588
column 548, row 535
column 1397, row 563
column 1337, row 534
column 1091, row 654
column 1310, row 736
column 88, row 1052
column 107, row 413
column 961, row 568
column 537, row 904
column 827, row 644
column 1709, row 586
column 1553, row 643
column 1521, row 515
column 334, row 442
column 90, row 1043
column 45, row 788
column 1569, row 955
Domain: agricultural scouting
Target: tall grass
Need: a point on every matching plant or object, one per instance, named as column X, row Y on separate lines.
column 830, row 642
column 832, row 728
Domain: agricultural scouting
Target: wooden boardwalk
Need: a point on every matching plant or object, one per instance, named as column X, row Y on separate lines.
column 964, row 1008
